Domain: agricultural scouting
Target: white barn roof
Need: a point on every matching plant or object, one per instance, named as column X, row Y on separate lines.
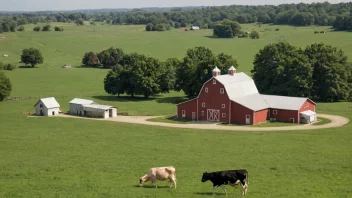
column 308, row 113
column 49, row 102
column 284, row 102
column 254, row 102
column 81, row 101
column 97, row 106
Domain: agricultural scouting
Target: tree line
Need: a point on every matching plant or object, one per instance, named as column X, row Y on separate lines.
column 205, row 17
column 319, row 71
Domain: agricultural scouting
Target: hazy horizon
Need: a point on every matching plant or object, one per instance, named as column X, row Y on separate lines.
column 66, row 5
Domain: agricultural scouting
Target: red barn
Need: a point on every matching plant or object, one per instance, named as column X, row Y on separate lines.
column 234, row 98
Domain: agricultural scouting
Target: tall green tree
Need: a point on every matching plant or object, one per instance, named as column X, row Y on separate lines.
column 331, row 72
column 227, row 29
column 5, row 87
column 32, row 56
column 111, row 57
column 90, row 59
column 282, row 69
column 167, row 79
column 196, row 68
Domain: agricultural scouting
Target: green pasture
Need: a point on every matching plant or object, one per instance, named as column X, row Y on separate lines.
column 63, row 157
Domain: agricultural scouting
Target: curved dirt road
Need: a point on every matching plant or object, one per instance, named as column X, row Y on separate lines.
column 336, row 121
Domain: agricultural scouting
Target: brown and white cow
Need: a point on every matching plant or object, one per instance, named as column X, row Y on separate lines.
column 159, row 173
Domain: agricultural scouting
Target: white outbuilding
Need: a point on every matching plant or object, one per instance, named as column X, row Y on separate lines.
column 47, row 107
column 308, row 116
column 100, row 111
column 77, row 106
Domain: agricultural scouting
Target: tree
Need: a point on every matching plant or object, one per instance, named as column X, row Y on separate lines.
column 167, row 79
column 32, row 56
column 90, row 59
column 282, row 69
column 21, row 28
column 59, row 29
column 254, row 35
column 5, row 87
column 111, row 57
column 196, row 68
column 46, row 28
column 149, row 27
column 331, row 74
column 116, row 81
column 227, row 29
column 79, row 21
column 36, row 29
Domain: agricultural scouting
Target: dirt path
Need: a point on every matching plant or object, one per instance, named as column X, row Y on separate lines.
column 336, row 121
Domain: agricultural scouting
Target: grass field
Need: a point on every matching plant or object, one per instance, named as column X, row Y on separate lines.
column 61, row 157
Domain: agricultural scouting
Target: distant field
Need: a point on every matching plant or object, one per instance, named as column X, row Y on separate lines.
column 61, row 157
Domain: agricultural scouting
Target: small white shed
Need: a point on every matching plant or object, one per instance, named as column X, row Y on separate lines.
column 77, row 106
column 47, row 107
column 99, row 111
column 195, row 28
column 309, row 116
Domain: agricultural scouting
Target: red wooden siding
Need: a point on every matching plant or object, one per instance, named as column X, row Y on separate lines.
column 284, row 115
column 308, row 105
column 239, row 112
column 213, row 100
column 261, row 116
column 189, row 107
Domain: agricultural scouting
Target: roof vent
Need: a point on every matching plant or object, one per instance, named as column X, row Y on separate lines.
column 216, row 72
column 232, row 71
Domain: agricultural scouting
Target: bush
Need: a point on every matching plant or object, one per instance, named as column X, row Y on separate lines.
column 277, row 29
column 5, row 87
column 46, row 28
column 9, row 67
column 59, row 29
column 322, row 32
column 254, row 35
column 316, row 32
column 37, row 29
column 21, row 28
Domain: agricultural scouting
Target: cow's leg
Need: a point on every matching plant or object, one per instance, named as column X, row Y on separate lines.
column 174, row 180
column 155, row 182
column 223, row 188
column 214, row 189
column 244, row 187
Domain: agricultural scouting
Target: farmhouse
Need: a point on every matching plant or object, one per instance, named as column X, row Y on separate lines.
column 89, row 108
column 47, row 107
column 234, row 98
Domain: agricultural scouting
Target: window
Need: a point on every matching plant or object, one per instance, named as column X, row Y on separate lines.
column 222, row 90
column 274, row 112
column 292, row 120
column 214, row 82
column 202, row 113
column 41, row 105
column 203, row 104
column 206, row 90
column 223, row 106
column 248, row 116
column 224, row 115
column 183, row 113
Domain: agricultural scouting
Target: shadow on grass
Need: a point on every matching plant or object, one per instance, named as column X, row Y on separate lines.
column 26, row 67
column 150, row 186
column 91, row 67
column 172, row 100
column 215, row 37
column 207, row 193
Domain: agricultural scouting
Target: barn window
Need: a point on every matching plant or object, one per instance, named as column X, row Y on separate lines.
column 202, row 113
column 183, row 113
column 214, row 82
column 223, row 106
column 203, row 104
column 292, row 120
column 41, row 105
column 206, row 90
column 274, row 112
column 222, row 90
column 224, row 115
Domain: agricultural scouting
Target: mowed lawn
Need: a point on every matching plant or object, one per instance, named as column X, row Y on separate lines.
column 62, row 157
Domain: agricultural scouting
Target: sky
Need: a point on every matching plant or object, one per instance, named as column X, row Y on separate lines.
column 43, row 5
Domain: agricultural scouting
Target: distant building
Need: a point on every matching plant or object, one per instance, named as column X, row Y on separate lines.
column 195, row 28
column 47, row 107
column 89, row 108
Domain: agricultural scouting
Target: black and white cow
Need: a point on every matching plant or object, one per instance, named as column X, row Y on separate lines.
column 228, row 177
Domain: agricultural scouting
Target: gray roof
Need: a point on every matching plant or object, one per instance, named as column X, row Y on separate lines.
column 97, row 106
column 81, row 101
column 239, row 85
column 254, row 102
column 49, row 102
column 284, row 102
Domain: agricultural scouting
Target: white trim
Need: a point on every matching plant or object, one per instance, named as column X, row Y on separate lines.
column 206, row 90
column 230, row 112
column 253, row 118
column 198, row 94
column 214, row 81
column 223, row 106
column 274, row 112
column 213, row 113
column 223, row 115
column 203, row 104
column 222, row 90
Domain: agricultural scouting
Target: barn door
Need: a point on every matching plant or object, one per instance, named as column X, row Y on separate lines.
column 193, row 115
column 248, row 119
column 213, row 115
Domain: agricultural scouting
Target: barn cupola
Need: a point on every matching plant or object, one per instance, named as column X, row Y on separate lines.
column 216, row 72
column 232, row 71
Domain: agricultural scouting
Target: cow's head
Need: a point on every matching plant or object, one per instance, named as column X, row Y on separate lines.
column 142, row 180
column 205, row 177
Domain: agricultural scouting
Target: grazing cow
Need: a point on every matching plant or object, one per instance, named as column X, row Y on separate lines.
column 231, row 177
column 159, row 173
